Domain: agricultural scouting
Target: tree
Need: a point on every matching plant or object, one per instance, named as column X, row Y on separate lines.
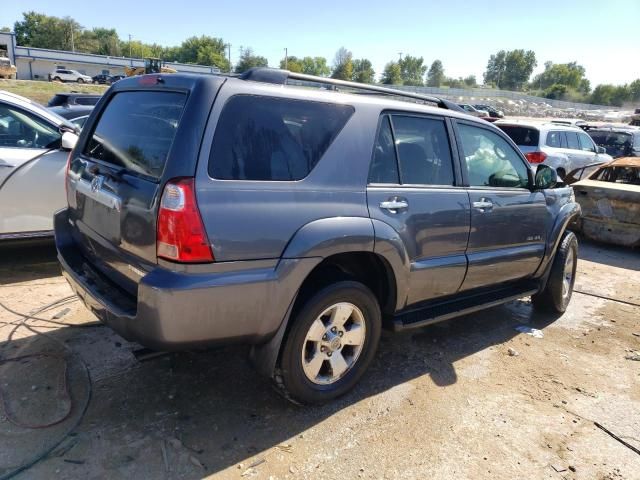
column 363, row 71
column 510, row 69
column 435, row 77
column 204, row 50
column 412, row 70
column 249, row 60
column 43, row 31
column 343, row 65
column 470, row 81
column 611, row 95
column 315, row 66
column 293, row 64
column 634, row 91
column 392, row 74
column 570, row 74
column 5, row 30
column 557, row 91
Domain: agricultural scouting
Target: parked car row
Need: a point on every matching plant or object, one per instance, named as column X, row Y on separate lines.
column 61, row 74
column 104, row 79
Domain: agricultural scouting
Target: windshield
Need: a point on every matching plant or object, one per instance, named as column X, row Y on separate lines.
column 617, row 144
column 613, row 174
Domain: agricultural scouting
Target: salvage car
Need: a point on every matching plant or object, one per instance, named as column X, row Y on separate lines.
column 34, row 147
column 205, row 210
column 64, row 99
column 610, row 201
column 492, row 111
column 617, row 141
column 559, row 146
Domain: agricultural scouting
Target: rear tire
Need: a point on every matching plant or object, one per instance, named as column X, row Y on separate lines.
column 80, row 80
column 332, row 340
column 556, row 296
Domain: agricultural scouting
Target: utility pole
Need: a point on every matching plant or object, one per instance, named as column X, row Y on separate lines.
column 229, row 50
column 286, row 59
column 130, row 57
column 400, row 53
column 73, row 46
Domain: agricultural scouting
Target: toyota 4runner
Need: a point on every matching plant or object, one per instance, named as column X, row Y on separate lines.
column 205, row 210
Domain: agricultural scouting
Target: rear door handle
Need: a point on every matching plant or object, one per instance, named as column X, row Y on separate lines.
column 483, row 204
column 394, row 205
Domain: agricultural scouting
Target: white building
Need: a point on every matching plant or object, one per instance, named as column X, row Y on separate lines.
column 38, row 63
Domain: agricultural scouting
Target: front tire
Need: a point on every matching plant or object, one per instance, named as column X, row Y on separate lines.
column 556, row 296
column 333, row 339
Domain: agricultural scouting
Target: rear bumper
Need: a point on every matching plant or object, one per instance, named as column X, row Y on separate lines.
column 177, row 310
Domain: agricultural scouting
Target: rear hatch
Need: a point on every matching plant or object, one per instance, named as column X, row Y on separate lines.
column 526, row 138
column 147, row 131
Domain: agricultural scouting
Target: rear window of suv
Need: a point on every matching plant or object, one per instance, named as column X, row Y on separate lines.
column 522, row 136
column 136, row 130
column 269, row 138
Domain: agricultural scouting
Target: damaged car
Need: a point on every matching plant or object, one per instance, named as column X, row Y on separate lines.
column 610, row 201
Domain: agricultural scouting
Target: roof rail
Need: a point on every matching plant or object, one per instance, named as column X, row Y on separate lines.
column 280, row 77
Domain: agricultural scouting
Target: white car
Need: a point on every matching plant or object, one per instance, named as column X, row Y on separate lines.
column 66, row 75
column 556, row 145
column 34, row 146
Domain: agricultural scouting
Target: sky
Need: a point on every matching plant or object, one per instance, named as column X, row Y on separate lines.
column 601, row 35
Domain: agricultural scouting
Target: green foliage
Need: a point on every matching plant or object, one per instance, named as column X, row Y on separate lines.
column 412, row 70
column 363, row 71
column 308, row 65
column 343, row 65
column 557, row 91
column 510, row 69
column 5, row 30
column 249, row 60
column 435, row 77
column 570, row 74
column 634, row 91
column 392, row 74
column 470, row 81
column 42, row 31
column 610, row 95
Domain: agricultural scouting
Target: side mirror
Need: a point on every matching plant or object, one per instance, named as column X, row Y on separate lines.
column 601, row 150
column 546, row 177
column 69, row 140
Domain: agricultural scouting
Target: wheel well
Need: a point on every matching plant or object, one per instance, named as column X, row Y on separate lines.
column 365, row 267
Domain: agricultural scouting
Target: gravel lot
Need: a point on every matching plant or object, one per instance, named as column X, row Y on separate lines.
column 470, row 398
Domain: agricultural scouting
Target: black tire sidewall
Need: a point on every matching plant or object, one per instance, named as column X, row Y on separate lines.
column 294, row 378
column 569, row 242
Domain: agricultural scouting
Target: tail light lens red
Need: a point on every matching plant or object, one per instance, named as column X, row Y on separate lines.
column 536, row 157
column 181, row 236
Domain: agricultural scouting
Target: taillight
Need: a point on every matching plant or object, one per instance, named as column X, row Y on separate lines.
column 181, row 236
column 536, row 157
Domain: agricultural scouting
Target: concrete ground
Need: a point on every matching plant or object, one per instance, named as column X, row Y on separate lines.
column 471, row 398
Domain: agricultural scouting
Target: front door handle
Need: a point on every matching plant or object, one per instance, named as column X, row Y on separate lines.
column 394, row 205
column 484, row 204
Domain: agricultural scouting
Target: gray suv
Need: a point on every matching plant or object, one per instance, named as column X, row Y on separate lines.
column 208, row 210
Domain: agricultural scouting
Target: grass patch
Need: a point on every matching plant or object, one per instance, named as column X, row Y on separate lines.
column 42, row 92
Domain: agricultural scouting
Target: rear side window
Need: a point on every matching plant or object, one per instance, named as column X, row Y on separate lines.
column 268, row 138
column 424, row 154
column 57, row 100
column 136, row 129
column 522, row 136
column 556, row 139
column 572, row 140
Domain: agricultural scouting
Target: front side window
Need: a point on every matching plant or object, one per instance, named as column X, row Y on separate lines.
column 269, row 138
column 21, row 129
column 490, row 159
column 586, row 143
column 424, row 154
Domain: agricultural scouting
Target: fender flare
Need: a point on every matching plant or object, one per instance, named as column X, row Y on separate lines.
column 565, row 216
column 330, row 236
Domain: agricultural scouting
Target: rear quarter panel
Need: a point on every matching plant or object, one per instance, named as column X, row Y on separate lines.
column 248, row 220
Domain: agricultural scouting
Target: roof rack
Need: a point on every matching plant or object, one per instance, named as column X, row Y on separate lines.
column 280, row 77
